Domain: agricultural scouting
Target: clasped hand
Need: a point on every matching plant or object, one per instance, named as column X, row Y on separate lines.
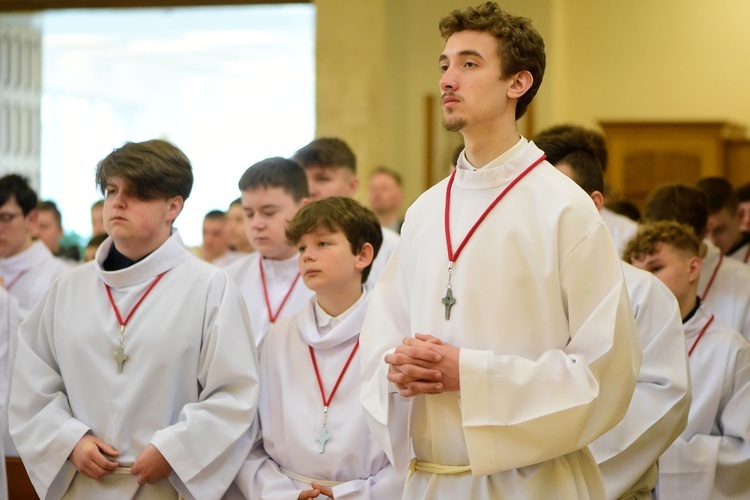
column 90, row 457
column 423, row 364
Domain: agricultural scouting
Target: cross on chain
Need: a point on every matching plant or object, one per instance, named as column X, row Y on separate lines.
column 448, row 302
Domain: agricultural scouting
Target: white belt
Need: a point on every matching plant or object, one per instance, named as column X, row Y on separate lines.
column 309, row 480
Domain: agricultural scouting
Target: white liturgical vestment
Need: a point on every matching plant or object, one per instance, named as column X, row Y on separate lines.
column 711, row 459
column 548, row 357
column 189, row 385
column 291, row 413
column 620, row 227
column 724, row 289
column 658, row 412
column 741, row 252
column 29, row 274
column 10, row 317
column 280, row 275
column 390, row 242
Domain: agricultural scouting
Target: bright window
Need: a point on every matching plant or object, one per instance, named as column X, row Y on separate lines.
column 229, row 86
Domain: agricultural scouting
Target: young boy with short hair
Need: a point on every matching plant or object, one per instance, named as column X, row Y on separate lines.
column 724, row 284
column 136, row 374
column 711, row 458
column 331, row 169
column 273, row 190
column 315, row 440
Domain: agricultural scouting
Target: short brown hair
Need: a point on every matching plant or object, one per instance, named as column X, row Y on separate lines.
column 720, row 194
column 154, row 169
column 50, row 206
column 358, row 223
column 276, row 172
column 651, row 236
column 520, row 47
column 680, row 203
column 326, row 152
column 382, row 169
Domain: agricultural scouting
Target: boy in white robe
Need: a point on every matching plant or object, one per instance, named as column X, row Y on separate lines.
column 711, row 459
column 507, row 359
column 311, row 357
column 27, row 270
column 136, row 374
column 331, row 168
column 724, row 283
column 10, row 317
column 723, row 228
column 658, row 412
column 273, row 190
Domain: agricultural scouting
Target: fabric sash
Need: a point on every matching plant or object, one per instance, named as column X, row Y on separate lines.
column 309, row 480
column 125, row 470
column 417, row 465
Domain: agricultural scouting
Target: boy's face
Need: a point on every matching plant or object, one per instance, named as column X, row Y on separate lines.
column 743, row 212
column 675, row 268
column 97, row 220
column 327, row 263
column 385, row 193
column 15, row 232
column 139, row 225
column 236, row 231
column 215, row 238
column 267, row 211
column 473, row 90
column 325, row 182
column 48, row 230
column 723, row 229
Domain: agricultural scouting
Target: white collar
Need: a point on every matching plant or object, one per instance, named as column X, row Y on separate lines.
column 23, row 261
column 464, row 164
column 326, row 322
column 347, row 324
column 168, row 256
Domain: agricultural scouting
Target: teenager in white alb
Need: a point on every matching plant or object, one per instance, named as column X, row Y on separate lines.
column 723, row 228
column 27, row 267
column 482, row 326
column 711, row 459
column 627, row 455
column 724, row 283
column 27, row 270
column 331, row 168
column 136, row 374
column 273, row 190
column 315, row 441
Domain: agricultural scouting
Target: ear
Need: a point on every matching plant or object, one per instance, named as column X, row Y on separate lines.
column 694, row 269
column 174, row 207
column 365, row 257
column 33, row 216
column 520, row 83
column 598, row 199
column 353, row 185
column 303, row 202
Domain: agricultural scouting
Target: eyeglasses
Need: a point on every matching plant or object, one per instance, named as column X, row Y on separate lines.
column 6, row 217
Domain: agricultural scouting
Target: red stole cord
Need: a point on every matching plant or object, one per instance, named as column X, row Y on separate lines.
column 327, row 402
column 453, row 257
column 123, row 324
column 271, row 316
column 15, row 280
column 705, row 327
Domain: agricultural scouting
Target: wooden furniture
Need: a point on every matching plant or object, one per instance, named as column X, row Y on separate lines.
column 645, row 155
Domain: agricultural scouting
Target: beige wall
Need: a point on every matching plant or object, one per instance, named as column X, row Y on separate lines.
column 377, row 61
column 607, row 60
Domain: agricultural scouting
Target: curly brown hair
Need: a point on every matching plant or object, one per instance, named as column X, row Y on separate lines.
column 519, row 45
column 651, row 236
